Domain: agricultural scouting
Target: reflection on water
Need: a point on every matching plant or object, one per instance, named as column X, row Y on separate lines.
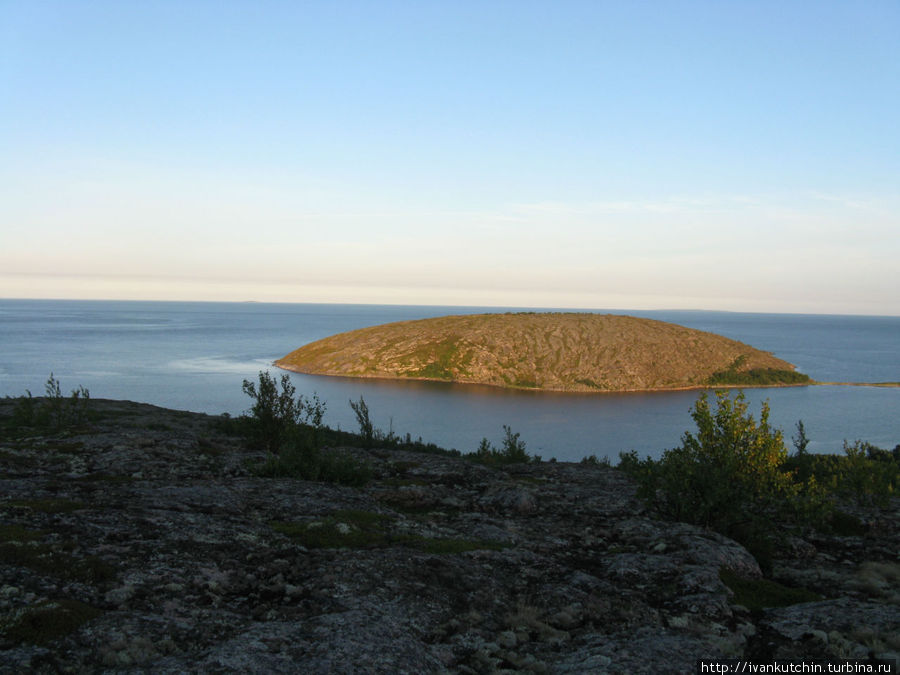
column 217, row 364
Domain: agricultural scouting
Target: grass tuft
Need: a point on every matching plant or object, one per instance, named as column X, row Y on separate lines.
column 759, row 594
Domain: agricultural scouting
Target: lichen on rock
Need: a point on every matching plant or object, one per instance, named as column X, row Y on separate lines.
column 437, row 565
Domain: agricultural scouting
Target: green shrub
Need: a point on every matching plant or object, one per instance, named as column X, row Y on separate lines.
column 52, row 412
column 512, row 451
column 864, row 474
column 868, row 476
column 306, row 462
column 727, row 472
column 25, row 412
column 275, row 414
column 729, row 476
column 370, row 436
column 593, row 460
column 290, row 428
column 278, row 417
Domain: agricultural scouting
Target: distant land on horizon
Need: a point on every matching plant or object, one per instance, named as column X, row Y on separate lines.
column 550, row 351
column 488, row 308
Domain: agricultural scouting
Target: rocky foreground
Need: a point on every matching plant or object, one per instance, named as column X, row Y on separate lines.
column 145, row 543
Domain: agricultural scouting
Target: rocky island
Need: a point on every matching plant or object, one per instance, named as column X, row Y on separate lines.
column 140, row 539
column 548, row 351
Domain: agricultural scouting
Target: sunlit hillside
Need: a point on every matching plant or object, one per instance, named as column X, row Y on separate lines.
column 551, row 351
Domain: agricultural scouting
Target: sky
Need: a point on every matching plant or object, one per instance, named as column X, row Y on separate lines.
column 736, row 156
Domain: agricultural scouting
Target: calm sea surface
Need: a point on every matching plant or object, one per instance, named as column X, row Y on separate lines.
column 194, row 356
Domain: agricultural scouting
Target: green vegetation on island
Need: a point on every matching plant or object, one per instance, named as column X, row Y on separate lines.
column 735, row 374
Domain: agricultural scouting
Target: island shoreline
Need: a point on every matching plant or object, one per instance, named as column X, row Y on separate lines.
column 699, row 387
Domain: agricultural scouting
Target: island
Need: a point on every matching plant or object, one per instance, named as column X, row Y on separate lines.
column 550, row 351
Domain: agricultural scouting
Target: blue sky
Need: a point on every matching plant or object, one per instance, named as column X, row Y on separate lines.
column 712, row 155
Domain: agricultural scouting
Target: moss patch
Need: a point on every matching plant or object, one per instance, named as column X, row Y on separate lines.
column 444, row 355
column 17, row 533
column 48, row 445
column 342, row 529
column 365, row 529
column 208, row 448
column 12, row 460
column 159, row 426
column 19, row 548
column 451, row 546
column 47, row 621
column 404, row 482
column 108, row 478
column 758, row 594
column 402, row 467
column 49, row 505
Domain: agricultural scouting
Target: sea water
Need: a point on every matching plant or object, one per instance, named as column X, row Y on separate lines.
column 194, row 356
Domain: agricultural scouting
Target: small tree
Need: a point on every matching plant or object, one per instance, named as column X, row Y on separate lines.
column 485, row 451
column 801, row 440
column 513, row 448
column 366, row 429
column 54, row 403
column 313, row 414
column 801, row 458
column 275, row 413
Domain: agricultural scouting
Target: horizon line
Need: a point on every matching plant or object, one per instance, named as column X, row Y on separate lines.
column 540, row 308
